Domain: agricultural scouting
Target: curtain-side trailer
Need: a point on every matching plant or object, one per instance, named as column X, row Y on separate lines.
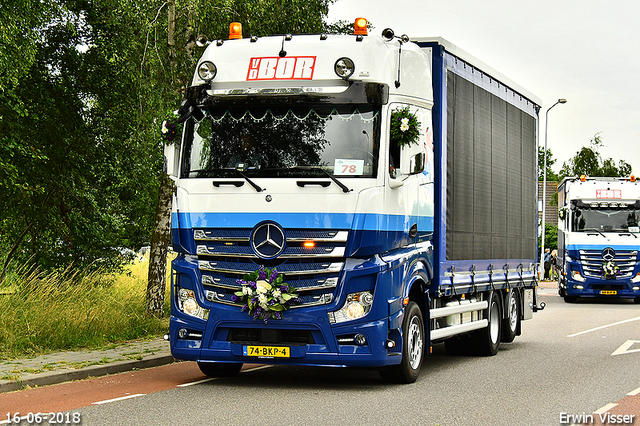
column 350, row 201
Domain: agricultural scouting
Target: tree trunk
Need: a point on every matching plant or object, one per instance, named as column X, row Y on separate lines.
column 160, row 240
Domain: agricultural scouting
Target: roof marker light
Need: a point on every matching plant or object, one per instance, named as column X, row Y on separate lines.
column 360, row 27
column 632, row 178
column 235, row 31
column 583, row 178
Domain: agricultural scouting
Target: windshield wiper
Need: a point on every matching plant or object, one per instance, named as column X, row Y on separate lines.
column 344, row 187
column 596, row 230
column 628, row 233
column 257, row 187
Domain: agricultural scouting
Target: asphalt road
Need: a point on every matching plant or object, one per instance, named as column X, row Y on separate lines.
column 572, row 360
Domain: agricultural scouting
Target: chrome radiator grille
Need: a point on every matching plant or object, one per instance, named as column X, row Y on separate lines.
column 310, row 260
column 592, row 261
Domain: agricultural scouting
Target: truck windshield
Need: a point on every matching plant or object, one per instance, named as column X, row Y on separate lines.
column 283, row 142
column 607, row 219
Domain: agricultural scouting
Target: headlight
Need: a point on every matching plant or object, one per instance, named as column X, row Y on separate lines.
column 356, row 306
column 344, row 68
column 186, row 301
column 575, row 275
column 207, row 71
column 636, row 278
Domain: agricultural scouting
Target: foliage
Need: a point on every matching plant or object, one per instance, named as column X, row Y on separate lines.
column 80, row 141
column 550, row 237
column 551, row 175
column 589, row 162
column 405, row 127
column 62, row 310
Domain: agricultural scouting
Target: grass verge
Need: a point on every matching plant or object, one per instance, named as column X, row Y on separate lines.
column 42, row 313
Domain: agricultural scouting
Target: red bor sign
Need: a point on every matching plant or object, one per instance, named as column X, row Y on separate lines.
column 608, row 193
column 287, row 68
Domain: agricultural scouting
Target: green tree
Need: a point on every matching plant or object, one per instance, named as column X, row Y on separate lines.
column 259, row 18
column 551, row 175
column 589, row 162
column 550, row 237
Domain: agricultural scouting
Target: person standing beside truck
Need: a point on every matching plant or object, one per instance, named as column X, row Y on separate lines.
column 547, row 263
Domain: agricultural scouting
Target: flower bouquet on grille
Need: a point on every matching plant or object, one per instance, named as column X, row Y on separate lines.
column 265, row 294
column 609, row 270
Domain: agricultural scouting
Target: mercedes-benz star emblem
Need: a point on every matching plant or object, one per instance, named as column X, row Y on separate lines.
column 267, row 240
column 608, row 254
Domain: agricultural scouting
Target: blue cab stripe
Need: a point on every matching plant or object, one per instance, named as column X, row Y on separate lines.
column 356, row 221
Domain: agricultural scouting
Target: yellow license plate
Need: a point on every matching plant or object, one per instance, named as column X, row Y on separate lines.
column 608, row 292
column 266, row 351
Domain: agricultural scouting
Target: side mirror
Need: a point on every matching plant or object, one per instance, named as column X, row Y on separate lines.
column 395, row 183
column 171, row 156
column 416, row 163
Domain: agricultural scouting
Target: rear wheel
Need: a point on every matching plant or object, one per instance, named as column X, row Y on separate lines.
column 219, row 369
column 511, row 323
column 487, row 340
column 412, row 348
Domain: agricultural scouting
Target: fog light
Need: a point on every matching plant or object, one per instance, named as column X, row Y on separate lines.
column 636, row 288
column 578, row 287
column 182, row 333
column 207, row 71
column 344, row 68
column 390, row 343
column 360, row 339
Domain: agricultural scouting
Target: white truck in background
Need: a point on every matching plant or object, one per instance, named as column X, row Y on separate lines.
column 599, row 238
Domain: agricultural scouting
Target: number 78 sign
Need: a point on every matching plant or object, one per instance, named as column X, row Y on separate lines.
column 345, row 167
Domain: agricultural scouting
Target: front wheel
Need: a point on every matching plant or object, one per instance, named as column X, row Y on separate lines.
column 413, row 339
column 219, row 369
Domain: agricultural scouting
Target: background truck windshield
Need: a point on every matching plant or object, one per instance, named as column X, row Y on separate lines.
column 283, row 141
column 604, row 219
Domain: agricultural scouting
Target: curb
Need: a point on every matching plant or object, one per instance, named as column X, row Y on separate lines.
column 60, row 376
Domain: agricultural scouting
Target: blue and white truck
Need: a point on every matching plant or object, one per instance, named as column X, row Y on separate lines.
column 599, row 238
column 350, row 200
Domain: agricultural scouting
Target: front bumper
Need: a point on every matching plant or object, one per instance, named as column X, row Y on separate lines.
column 311, row 340
column 602, row 288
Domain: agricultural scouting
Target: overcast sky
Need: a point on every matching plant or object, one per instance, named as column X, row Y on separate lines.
column 587, row 51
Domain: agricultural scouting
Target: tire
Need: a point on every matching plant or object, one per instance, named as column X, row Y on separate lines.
column 413, row 343
column 487, row 340
column 511, row 322
column 219, row 369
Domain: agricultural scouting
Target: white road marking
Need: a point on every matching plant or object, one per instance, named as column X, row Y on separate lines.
column 604, row 326
column 184, row 385
column 256, row 368
column 634, row 392
column 118, row 399
column 624, row 348
column 605, row 408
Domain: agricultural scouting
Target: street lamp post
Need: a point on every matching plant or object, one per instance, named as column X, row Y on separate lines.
column 544, row 180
